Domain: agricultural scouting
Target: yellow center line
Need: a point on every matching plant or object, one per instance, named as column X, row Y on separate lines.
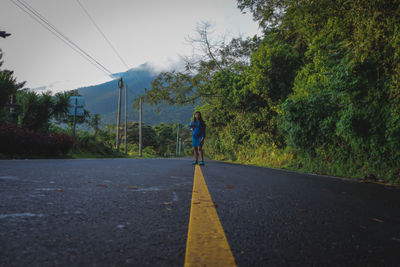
column 206, row 243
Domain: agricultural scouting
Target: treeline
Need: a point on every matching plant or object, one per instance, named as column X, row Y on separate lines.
column 25, row 116
column 157, row 141
column 319, row 91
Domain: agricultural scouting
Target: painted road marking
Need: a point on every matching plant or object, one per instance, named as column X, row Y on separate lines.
column 206, row 243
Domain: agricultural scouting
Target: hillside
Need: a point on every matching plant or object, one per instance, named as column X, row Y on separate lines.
column 103, row 99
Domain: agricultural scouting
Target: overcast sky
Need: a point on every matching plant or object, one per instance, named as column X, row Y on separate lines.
column 142, row 31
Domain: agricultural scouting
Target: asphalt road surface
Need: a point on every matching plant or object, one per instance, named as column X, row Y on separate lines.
column 135, row 212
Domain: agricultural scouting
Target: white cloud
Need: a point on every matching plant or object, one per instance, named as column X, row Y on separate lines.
column 142, row 31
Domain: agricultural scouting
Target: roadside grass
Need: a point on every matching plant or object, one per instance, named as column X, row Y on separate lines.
column 289, row 159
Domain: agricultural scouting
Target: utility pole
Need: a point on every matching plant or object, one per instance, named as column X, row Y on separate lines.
column 180, row 147
column 177, row 140
column 140, row 127
column 126, row 119
column 75, row 107
column 120, row 84
column 13, row 106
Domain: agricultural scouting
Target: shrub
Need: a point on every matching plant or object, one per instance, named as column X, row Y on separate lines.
column 24, row 142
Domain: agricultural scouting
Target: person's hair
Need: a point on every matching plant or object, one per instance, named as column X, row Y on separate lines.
column 202, row 123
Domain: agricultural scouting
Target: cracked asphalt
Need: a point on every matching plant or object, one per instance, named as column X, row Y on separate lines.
column 135, row 212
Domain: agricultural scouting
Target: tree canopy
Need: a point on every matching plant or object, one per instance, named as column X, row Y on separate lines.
column 322, row 83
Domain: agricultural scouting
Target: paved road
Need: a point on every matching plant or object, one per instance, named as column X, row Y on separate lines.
column 135, row 212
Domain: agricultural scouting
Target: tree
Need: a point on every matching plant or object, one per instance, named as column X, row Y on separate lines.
column 36, row 110
column 61, row 104
column 193, row 84
column 149, row 135
column 61, row 109
column 8, row 89
column 94, row 122
column 166, row 138
column 269, row 13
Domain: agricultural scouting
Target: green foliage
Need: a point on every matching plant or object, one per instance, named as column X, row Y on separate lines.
column 166, row 138
column 172, row 88
column 148, row 134
column 8, row 88
column 95, row 122
column 92, row 146
column 268, row 13
column 59, row 110
column 272, row 71
column 36, row 110
column 193, row 84
column 246, row 112
column 159, row 140
column 319, row 92
column 310, row 122
column 342, row 105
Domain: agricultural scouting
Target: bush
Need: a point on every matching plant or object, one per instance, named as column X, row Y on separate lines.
column 310, row 122
column 87, row 143
column 24, row 142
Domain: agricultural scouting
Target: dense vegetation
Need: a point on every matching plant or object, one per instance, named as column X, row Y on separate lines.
column 157, row 141
column 319, row 91
column 25, row 127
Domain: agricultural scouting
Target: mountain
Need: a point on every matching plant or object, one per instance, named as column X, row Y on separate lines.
column 103, row 99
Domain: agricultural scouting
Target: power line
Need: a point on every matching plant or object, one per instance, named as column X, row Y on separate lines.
column 102, row 33
column 41, row 17
column 43, row 24
column 50, row 27
column 57, row 35
column 105, row 37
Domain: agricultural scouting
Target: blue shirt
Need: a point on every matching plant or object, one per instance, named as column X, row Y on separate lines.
column 196, row 129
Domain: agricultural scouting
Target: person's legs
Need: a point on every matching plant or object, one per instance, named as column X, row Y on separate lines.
column 196, row 154
column 201, row 153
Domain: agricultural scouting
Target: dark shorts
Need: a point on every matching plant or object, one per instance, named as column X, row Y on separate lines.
column 196, row 141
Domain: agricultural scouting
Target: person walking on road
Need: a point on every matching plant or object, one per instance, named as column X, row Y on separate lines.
column 198, row 128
